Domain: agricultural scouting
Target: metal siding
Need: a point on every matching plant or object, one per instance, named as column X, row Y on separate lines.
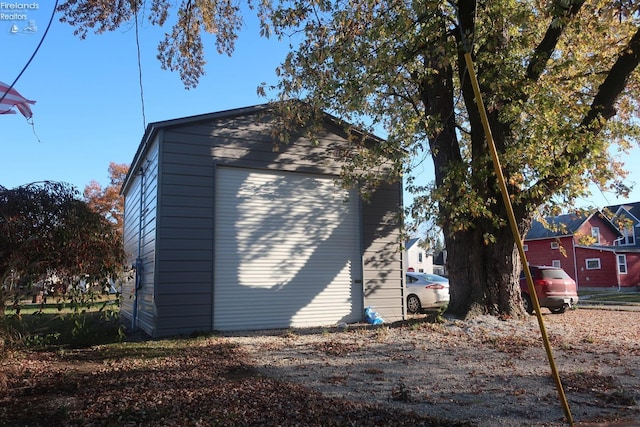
column 382, row 254
column 287, row 251
column 130, row 239
column 182, row 234
column 144, row 240
column 246, row 142
column 185, row 230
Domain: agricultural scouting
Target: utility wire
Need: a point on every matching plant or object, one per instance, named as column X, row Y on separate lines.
column 144, row 119
column 55, row 6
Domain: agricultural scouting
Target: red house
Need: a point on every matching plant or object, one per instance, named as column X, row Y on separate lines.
column 597, row 250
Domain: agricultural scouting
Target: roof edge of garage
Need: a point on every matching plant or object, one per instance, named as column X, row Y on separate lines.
column 153, row 128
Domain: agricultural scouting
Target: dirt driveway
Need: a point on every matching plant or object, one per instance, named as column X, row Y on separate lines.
column 487, row 371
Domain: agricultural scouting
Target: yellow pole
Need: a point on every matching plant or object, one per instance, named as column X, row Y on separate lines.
column 516, row 234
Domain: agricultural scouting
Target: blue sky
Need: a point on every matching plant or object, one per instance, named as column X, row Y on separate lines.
column 88, row 109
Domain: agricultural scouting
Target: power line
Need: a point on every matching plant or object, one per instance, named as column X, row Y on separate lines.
column 144, row 119
column 53, row 12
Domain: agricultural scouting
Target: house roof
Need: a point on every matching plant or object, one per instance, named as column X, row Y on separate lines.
column 632, row 209
column 614, row 249
column 411, row 242
column 563, row 225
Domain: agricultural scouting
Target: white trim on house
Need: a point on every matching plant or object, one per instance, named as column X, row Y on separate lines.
column 596, row 260
column 622, row 208
column 628, row 237
column 621, row 261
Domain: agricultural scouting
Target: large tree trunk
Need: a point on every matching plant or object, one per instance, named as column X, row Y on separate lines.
column 483, row 277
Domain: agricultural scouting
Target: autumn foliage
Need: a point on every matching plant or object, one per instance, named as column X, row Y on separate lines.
column 46, row 231
column 559, row 81
column 107, row 201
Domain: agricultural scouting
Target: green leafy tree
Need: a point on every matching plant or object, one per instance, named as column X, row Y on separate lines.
column 46, row 230
column 560, row 83
column 182, row 48
column 559, row 80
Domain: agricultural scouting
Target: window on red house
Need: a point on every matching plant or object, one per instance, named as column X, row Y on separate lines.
column 593, row 263
column 629, row 238
column 622, row 264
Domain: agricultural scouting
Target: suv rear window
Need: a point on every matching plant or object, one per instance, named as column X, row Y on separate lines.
column 553, row 273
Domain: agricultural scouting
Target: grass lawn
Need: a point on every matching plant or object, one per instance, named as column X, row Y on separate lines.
column 613, row 297
column 56, row 305
column 64, row 323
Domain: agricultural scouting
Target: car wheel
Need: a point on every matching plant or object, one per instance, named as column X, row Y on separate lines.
column 558, row 310
column 413, row 304
column 528, row 305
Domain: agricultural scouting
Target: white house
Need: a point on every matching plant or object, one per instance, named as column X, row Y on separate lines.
column 418, row 258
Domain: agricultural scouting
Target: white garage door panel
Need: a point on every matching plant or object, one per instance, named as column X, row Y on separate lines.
column 287, row 251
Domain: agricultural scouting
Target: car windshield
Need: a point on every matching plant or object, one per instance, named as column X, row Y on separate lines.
column 553, row 273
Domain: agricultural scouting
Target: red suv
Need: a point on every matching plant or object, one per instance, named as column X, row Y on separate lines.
column 556, row 290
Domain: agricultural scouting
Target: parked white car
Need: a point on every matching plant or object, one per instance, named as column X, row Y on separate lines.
column 426, row 291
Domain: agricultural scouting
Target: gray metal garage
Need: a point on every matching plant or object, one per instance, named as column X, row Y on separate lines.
column 229, row 234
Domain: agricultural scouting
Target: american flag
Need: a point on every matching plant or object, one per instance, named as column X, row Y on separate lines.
column 11, row 98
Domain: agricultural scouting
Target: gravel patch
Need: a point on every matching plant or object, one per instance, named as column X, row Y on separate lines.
column 488, row 371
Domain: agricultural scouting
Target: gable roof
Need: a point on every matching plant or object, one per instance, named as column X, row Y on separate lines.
column 411, row 242
column 631, row 209
column 153, row 128
column 564, row 225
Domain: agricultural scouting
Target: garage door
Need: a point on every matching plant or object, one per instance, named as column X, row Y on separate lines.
column 287, row 251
